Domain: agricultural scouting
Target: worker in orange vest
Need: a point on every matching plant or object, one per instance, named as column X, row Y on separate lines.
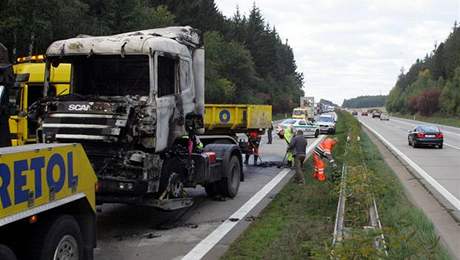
column 323, row 150
column 254, row 138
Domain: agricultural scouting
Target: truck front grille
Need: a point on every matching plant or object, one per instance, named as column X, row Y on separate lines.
column 90, row 127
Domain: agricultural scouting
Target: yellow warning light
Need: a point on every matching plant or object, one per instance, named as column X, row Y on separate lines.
column 34, row 58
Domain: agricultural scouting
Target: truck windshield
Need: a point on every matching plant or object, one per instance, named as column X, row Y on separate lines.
column 103, row 75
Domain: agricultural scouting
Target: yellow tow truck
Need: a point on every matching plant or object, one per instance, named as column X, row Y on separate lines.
column 47, row 194
column 47, row 202
column 28, row 88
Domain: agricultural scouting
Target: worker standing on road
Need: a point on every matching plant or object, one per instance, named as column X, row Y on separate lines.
column 288, row 134
column 269, row 133
column 323, row 150
column 298, row 146
column 253, row 146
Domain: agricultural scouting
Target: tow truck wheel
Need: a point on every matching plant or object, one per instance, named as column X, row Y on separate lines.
column 62, row 239
column 6, row 253
column 229, row 186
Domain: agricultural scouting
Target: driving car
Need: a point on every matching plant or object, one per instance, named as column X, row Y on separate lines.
column 308, row 128
column 376, row 114
column 326, row 124
column 354, row 113
column 425, row 135
column 364, row 113
column 384, row 116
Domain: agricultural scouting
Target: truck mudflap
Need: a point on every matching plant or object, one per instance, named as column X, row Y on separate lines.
column 40, row 177
column 225, row 152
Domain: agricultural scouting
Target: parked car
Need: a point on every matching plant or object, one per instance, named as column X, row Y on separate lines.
column 326, row 124
column 425, row 135
column 364, row 113
column 284, row 124
column 384, row 116
column 308, row 128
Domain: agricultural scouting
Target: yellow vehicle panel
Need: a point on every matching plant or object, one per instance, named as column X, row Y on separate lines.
column 36, row 71
column 20, row 130
column 35, row 178
column 237, row 118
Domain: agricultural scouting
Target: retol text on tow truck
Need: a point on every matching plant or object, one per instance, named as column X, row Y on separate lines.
column 136, row 104
column 47, row 194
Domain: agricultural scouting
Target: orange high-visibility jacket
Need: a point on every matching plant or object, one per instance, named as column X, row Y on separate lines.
column 326, row 146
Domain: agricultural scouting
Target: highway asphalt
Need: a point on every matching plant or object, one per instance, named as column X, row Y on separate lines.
column 128, row 232
column 441, row 166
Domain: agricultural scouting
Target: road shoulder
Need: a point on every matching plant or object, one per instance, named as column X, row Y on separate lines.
column 445, row 225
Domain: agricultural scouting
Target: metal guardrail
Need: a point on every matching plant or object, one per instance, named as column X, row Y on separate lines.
column 374, row 219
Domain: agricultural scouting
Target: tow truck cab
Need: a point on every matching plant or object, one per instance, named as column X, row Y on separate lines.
column 27, row 89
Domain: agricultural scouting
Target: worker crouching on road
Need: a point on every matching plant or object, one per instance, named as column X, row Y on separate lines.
column 254, row 138
column 323, row 150
column 298, row 146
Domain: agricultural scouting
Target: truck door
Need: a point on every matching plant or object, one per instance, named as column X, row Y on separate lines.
column 167, row 86
column 186, row 86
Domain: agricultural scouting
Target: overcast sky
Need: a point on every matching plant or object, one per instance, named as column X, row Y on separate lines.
column 348, row 48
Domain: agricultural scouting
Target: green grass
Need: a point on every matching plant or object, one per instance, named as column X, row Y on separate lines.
column 299, row 222
column 436, row 119
column 295, row 225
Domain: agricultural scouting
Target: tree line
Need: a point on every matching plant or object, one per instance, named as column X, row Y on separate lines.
column 432, row 84
column 246, row 60
column 365, row 101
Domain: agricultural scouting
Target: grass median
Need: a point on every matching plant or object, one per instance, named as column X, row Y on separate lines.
column 299, row 222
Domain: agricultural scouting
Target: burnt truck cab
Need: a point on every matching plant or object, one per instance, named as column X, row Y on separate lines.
column 136, row 104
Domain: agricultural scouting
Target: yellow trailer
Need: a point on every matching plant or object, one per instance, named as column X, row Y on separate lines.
column 230, row 118
column 47, row 202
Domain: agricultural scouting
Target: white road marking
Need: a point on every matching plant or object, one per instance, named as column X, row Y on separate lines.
column 202, row 248
column 438, row 187
column 440, row 126
column 452, row 146
column 446, row 144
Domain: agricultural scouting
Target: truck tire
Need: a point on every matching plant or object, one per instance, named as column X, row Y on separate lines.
column 6, row 253
column 61, row 239
column 316, row 133
column 229, row 185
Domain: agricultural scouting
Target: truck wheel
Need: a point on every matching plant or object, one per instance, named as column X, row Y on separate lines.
column 6, row 253
column 60, row 239
column 229, row 185
column 316, row 133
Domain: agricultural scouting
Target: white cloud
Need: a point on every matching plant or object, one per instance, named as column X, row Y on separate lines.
column 347, row 48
